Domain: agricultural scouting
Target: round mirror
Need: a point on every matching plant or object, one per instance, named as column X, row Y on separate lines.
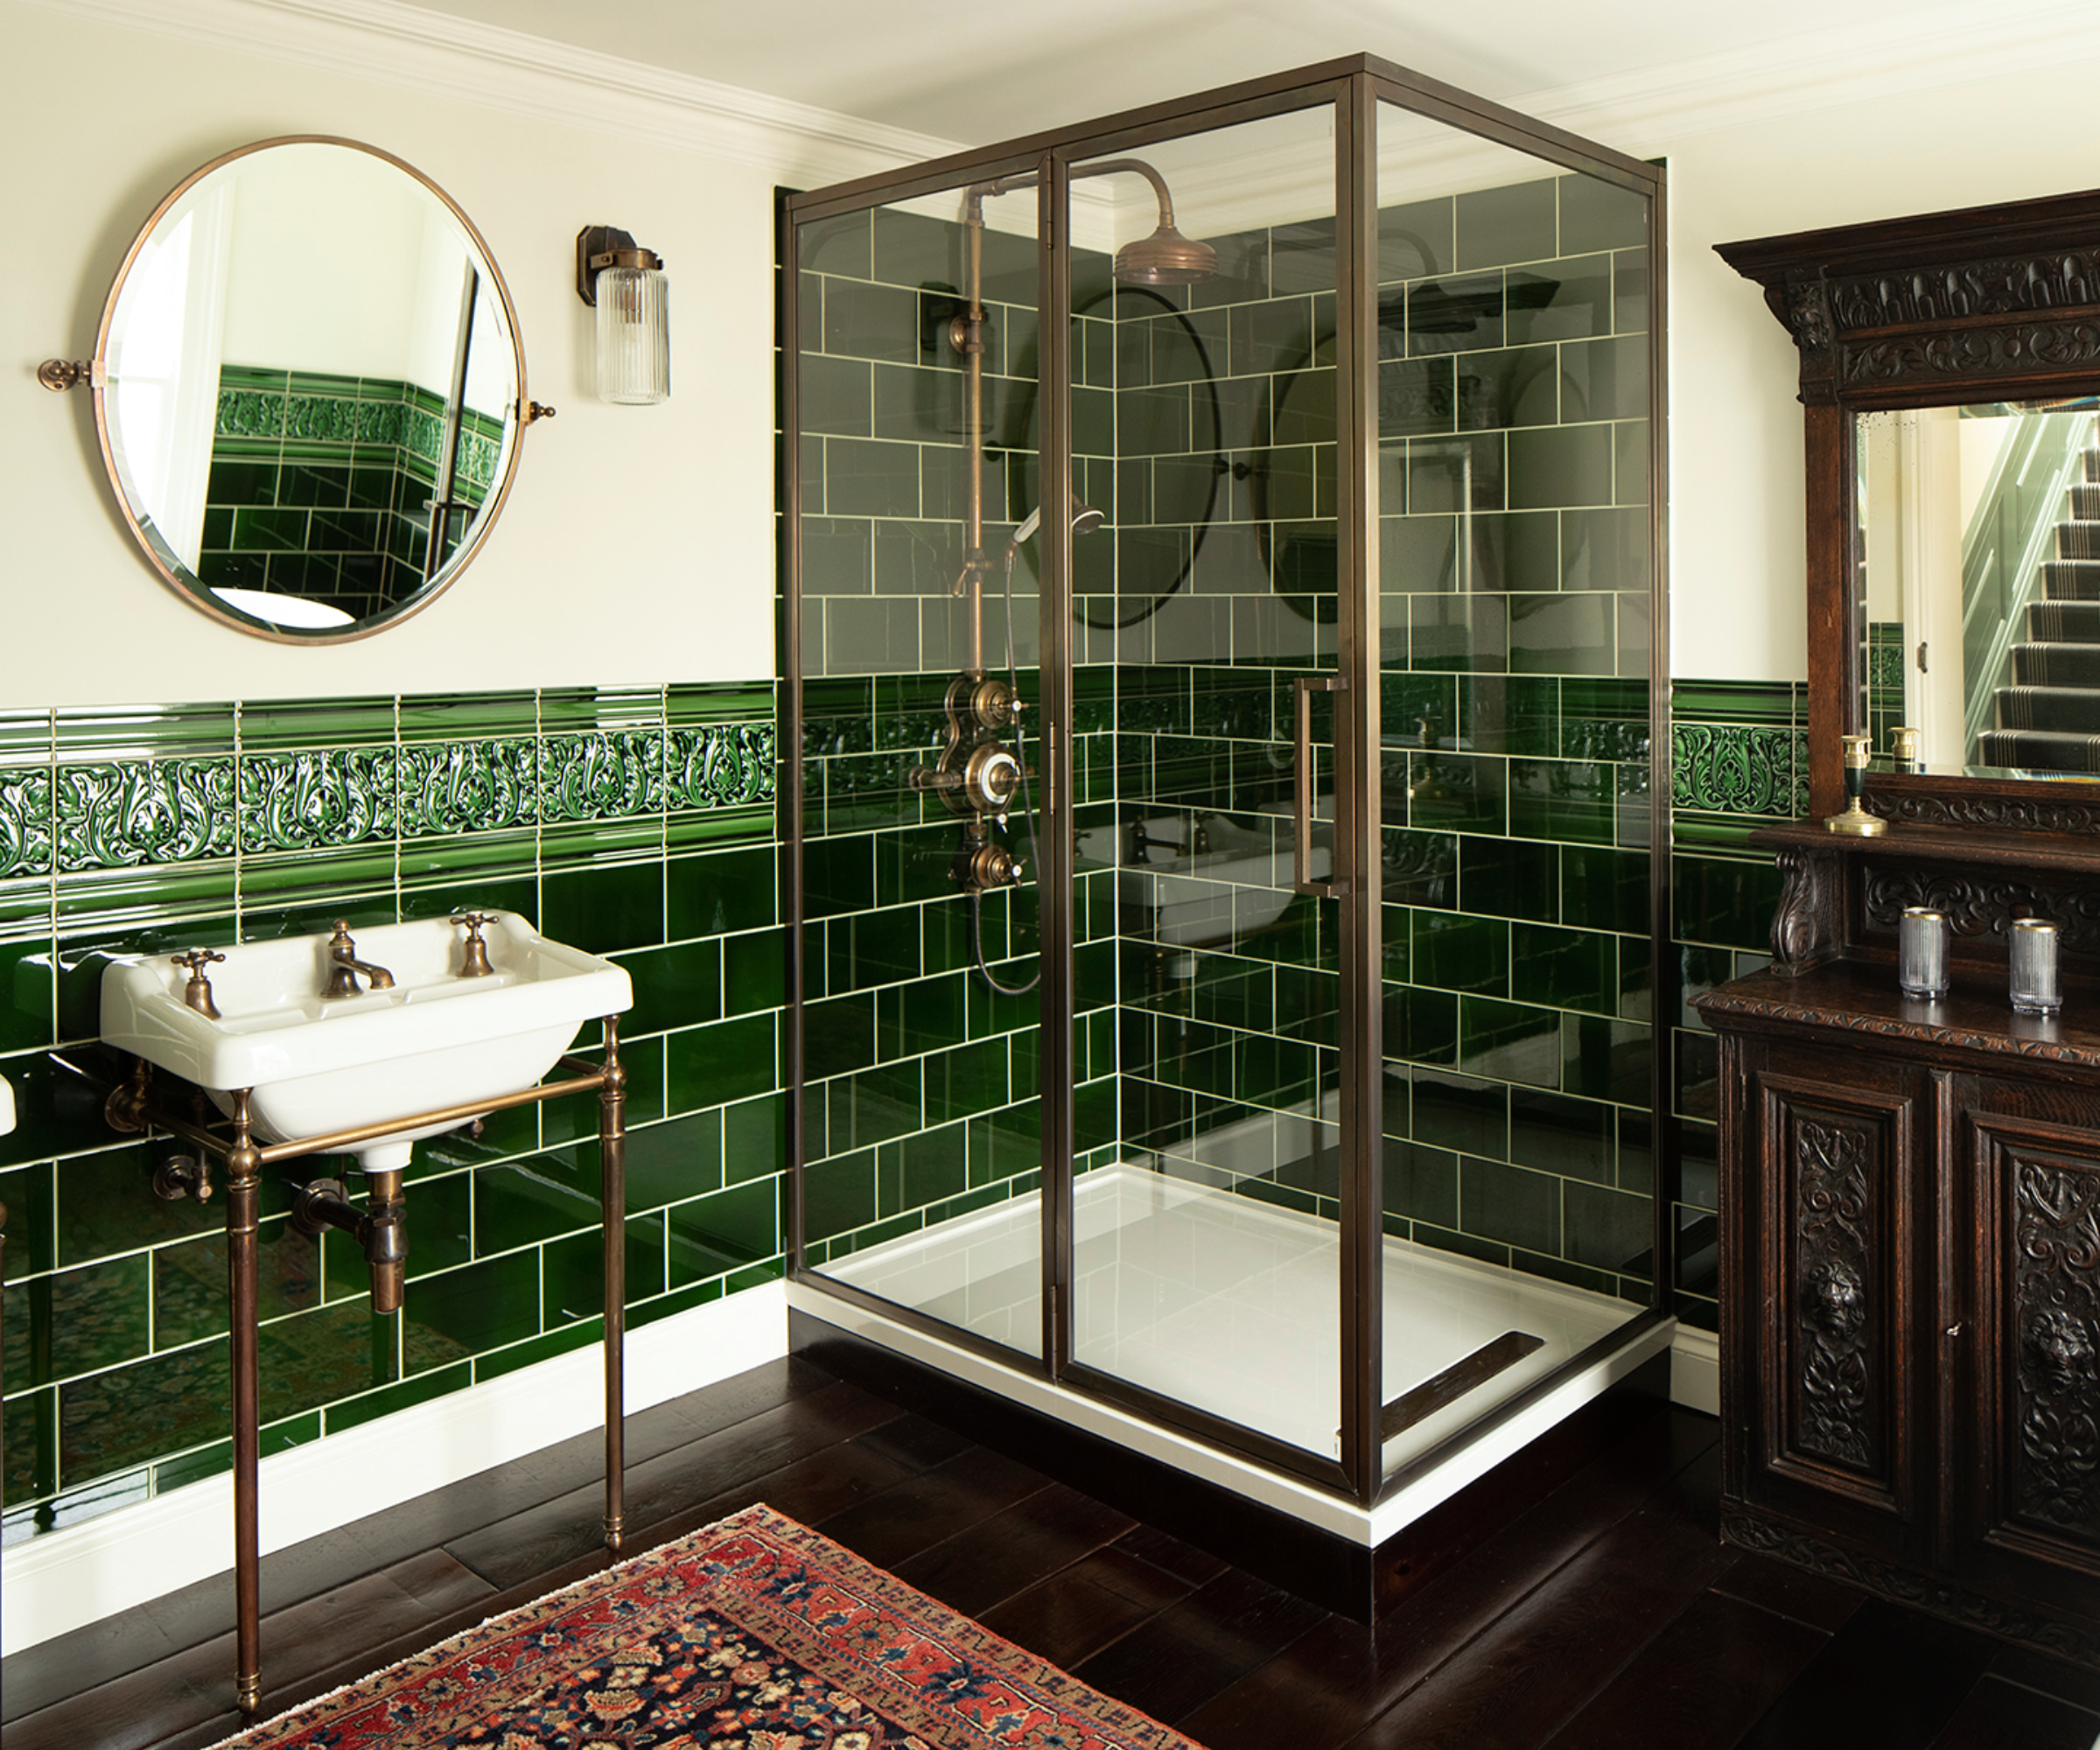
column 310, row 390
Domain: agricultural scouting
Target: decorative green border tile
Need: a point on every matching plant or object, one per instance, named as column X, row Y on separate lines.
column 331, row 797
column 1738, row 769
column 391, row 775
column 113, row 816
column 459, row 787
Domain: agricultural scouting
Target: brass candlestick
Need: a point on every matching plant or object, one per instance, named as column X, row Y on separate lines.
column 1855, row 819
column 1903, row 747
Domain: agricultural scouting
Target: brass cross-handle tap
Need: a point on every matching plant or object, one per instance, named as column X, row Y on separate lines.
column 198, row 992
column 473, row 953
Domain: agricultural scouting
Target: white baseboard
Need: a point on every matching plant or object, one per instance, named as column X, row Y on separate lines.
column 65, row 1579
column 1695, row 1370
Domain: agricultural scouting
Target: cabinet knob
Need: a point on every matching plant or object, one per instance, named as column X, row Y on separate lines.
column 1954, row 1330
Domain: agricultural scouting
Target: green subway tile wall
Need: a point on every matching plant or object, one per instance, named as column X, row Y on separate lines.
column 319, row 485
column 1516, row 584
column 636, row 822
column 1738, row 760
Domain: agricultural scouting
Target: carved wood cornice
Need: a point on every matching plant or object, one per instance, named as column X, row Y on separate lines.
column 1938, row 300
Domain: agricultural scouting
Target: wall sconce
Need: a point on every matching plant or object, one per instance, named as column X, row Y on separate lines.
column 625, row 284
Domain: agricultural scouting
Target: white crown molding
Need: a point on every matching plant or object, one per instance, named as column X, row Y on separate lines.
column 64, row 1580
column 1646, row 112
column 466, row 61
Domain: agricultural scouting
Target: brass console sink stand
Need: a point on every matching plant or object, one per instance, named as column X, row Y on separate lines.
column 136, row 1105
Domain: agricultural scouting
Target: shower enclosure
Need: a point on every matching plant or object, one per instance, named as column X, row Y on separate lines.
column 1223, row 550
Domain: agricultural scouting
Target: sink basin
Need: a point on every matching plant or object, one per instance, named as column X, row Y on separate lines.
column 321, row 1065
column 1240, row 882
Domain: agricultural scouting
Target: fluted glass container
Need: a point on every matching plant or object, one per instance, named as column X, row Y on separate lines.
column 1921, row 952
column 2036, row 985
column 633, row 336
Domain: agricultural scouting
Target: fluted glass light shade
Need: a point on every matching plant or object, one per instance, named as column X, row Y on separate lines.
column 633, row 336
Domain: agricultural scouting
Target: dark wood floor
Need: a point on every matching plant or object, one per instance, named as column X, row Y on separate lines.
column 1608, row 1615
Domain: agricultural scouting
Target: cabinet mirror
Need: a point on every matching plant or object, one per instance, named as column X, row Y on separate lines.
column 308, row 387
column 1977, row 551
column 1949, row 373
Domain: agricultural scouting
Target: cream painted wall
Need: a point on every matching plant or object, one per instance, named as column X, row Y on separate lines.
column 1736, row 528
column 637, row 545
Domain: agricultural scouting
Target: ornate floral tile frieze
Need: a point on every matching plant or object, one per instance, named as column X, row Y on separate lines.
column 125, row 813
column 1738, row 769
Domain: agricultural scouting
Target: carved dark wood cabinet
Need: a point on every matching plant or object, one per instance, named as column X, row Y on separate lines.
column 1911, row 1293
column 1910, row 1191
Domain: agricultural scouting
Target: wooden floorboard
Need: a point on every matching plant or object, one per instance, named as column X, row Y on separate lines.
column 1710, row 1675
column 1890, row 1677
column 1608, row 1615
column 1325, row 1690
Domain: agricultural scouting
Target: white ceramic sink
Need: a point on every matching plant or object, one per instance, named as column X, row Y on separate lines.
column 319, row 1065
column 1241, row 880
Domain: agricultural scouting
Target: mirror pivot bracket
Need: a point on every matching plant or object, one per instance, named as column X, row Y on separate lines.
column 61, row 374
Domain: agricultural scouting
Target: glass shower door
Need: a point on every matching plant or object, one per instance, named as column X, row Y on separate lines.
column 913, row 639
column 1516, row 545
column 1204, row 631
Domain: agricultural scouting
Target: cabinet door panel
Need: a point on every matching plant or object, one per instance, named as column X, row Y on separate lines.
column 1838, row 1184
column 2033, row 1447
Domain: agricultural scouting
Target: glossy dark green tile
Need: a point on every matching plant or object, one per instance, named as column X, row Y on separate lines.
column 1458, row 953
column 110, row 1422
column 733, row 1227
column 524, row 1202
column 734, row 890
column 1556, row 1134
column 1564, row 969
column 753, row 971
column 1518, row 223
column 575, row 1270
column 78, row 1321
column 1421, row 1025
column 1602, row 1058
column 674, row 986
column 601, row 910
column 479, row 1305
column 1462, row 1113
column 189, row 1283
column 1510, row 1204
column 1511, row 1041
column 1609, row 1229
column 1420, row 1182
column 674, row 1161
column 729, row 1060
column 838, row 1194
column 387, row 1400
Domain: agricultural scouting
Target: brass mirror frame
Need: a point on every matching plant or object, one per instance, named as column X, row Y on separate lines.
column 519, row 414
column 1984, row 304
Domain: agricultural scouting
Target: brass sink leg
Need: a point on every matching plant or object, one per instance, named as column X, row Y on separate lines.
column 613, row 1190
column 244, row 1166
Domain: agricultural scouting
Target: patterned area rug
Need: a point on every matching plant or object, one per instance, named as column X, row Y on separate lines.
column 755, row 1634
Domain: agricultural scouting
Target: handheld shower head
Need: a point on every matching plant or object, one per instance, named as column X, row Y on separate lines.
column 1085, row 521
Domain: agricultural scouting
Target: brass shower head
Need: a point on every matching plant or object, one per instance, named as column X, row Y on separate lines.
column 1165, row 258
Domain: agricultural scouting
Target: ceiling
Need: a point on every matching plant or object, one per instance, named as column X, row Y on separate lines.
column 974, row 74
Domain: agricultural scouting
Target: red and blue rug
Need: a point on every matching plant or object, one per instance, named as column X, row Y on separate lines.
column 755, row 1634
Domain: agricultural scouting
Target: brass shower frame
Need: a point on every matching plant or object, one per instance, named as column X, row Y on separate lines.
column 1352, row 88
column 136, row 1105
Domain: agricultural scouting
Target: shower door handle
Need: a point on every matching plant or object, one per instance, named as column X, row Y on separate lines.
column 1304, row 687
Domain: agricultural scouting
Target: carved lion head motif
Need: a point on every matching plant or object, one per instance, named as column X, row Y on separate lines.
column 2058, row 1350
column 1834, row 1299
